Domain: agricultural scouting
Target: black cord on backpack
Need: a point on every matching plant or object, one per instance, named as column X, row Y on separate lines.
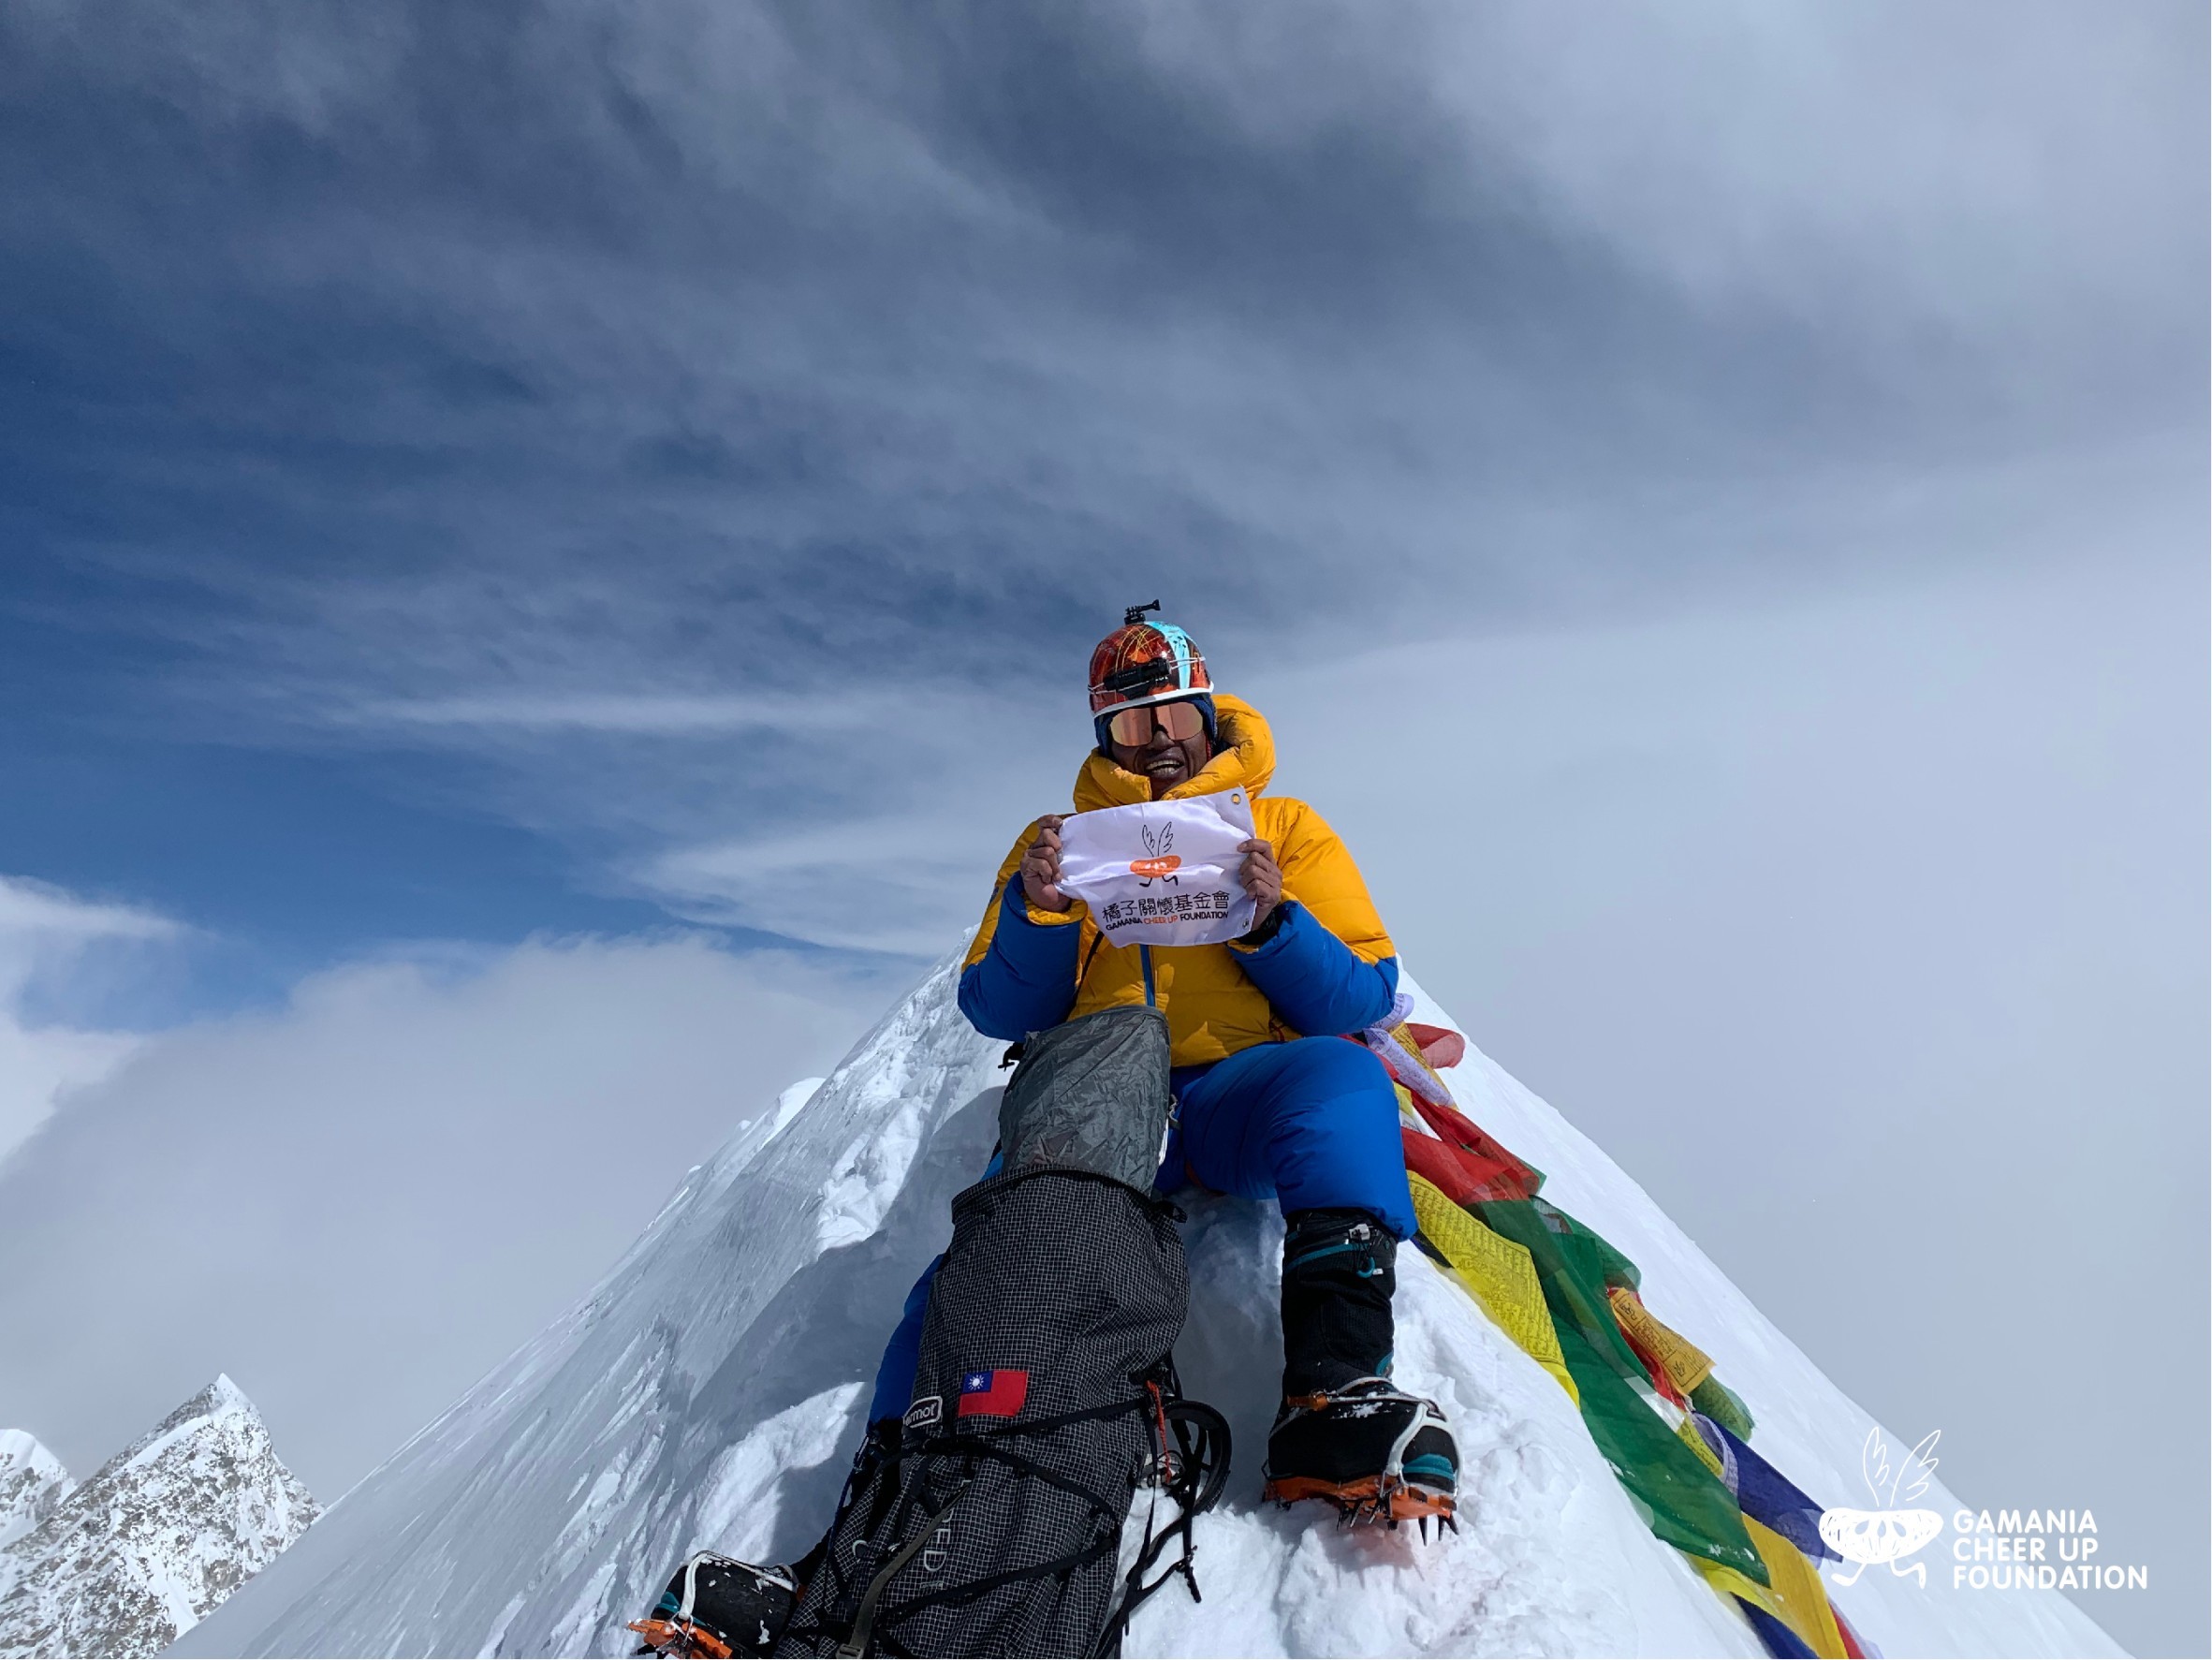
column 1193, row 1472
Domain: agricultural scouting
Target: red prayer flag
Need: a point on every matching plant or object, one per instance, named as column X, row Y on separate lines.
column 1494, row 1171
column 1439, row 1046
column 1436, row 1164
column 1852, row 1647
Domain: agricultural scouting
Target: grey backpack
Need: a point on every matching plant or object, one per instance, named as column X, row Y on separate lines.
column 1046, row 1395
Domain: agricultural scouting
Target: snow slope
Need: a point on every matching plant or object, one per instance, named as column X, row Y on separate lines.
column 711, row 1392
column 168, row 1528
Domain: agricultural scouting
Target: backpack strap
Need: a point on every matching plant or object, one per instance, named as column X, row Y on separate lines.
column 864, row 1619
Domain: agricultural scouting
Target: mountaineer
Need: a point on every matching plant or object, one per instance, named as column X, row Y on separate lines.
column 1270, row 1103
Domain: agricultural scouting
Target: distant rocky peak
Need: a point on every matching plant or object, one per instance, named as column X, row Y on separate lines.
column 219, row 1417
column 154, row 1541
column 32, row 1483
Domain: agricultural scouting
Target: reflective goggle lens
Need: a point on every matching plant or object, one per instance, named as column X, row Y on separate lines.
column 1133, row 726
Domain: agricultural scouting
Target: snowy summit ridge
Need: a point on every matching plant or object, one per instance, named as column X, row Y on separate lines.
column 711, row 1392
column 166, row 1531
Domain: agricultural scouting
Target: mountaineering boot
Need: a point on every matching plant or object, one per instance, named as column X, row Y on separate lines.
column 1374, row 1451
column 1346, row 1433
column 718, row 1607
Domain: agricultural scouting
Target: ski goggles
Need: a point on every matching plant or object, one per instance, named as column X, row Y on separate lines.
column 1133, row 727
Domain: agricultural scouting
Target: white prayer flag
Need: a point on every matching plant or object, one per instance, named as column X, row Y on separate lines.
column 1162, row 872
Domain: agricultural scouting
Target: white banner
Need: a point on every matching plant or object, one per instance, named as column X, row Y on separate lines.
column 1162, row 872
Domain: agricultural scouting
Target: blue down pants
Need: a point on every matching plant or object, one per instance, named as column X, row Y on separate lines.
column 1311, row 1123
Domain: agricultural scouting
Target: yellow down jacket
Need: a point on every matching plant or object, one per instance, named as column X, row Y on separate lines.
column 1212, row 1008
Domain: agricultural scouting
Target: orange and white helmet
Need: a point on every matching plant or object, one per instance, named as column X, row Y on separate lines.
column 1143, row 662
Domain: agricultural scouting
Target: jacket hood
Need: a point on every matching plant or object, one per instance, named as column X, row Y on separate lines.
column 1243, row 758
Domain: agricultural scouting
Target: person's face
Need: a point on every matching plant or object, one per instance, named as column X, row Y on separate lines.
column 1166, row 759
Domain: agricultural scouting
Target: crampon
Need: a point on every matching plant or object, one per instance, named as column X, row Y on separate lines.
column 1376, row 1453
column 678, row 1638
column 1360, row 1503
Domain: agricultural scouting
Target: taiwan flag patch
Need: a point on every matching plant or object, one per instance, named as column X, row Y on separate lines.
column 994, row 1394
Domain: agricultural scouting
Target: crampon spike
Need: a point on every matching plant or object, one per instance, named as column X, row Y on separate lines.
column 678, row 1640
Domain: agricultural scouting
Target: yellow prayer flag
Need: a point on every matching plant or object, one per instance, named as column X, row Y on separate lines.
column 1500, row 1274
column 1686, row 1364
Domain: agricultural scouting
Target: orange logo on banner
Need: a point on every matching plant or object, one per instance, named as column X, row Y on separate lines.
column 1161, row 862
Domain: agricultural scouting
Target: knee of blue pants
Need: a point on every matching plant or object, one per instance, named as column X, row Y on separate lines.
column 902, row 1355
column 1312, row 1121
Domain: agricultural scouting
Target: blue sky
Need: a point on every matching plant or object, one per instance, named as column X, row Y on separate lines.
column 533, row 473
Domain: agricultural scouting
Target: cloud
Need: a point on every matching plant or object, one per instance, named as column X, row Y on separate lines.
column 357, row 1204
column 746, row 343
column 37, row 917
column 637, row 462
column 631, row 713
column 864, row 820
column 1829, row 161
column 880, row 885
column 50, row 942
